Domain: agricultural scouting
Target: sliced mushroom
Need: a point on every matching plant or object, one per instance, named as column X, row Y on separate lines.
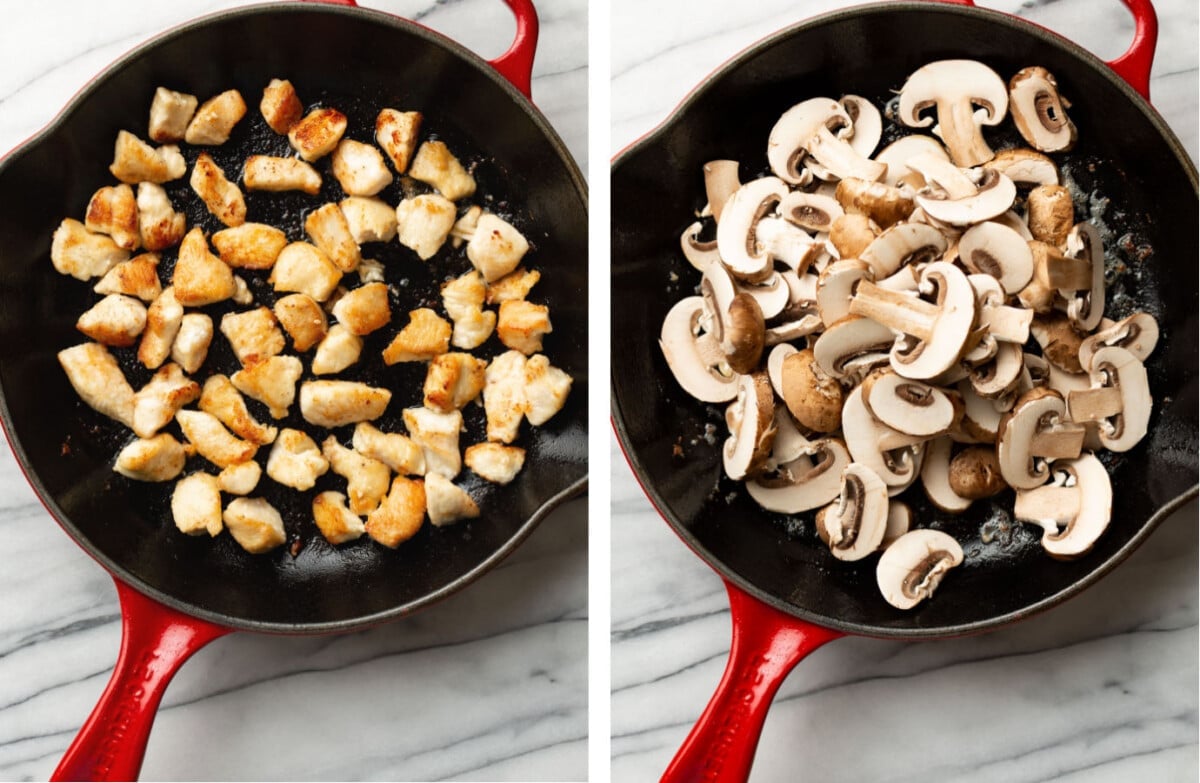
column 935, row 477
column 1039, row 112
column 1034, row 431
column 912, row 568
column 899, row 522
column 810, row 211
column 1060, row 341
column 813, row 396
column 1137, row 334
column 1118, row 400
column 853, row 525
column 775, row 365
column 891, row 454
column 999, row 375
column 866, row 122
column 993, row 249
column 1050, row 214
column 751, row 427
column 897, row 154
column 1003, row 323
column 772, row 295
column 902, row 245
column 743, row 330
column 836, row 285
column 851, row 234
column 704, row 374
column 807, row 131
column 736, row 234
column 720, row 181
column 791, row 447
column 981, row 421
column 908, row 406
column 699, row 254
column 955, row 88
column 1086, row 308
column 994, row 196
column 786, row 242
column 1017, row 223
column 1025, row 167
column 850, row 339
column 806, row 483
column 885, row 204
column 1074, row 509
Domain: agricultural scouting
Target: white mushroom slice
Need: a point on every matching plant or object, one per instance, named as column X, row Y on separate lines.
column 452, row 380
column 1035, row 431
column 546, row 389
column 160, row 399
column 396, row 132
column 337, row 523
column 305, row 269
column 254, row 334
column 496, row 248
column 364, row 309
column 216, row 118
column 425, row 336
column 1039, row 112
column 995, row 196
column 884, row 204
column 836, row 285
column 1119, row 398
column 222, row 198
column 804, row 138
column 446, row 502
column 890, row 454
column 329, row 231
column 504, row 396
column 955, row 88
column 437, row 435
column 269, row 173
column 254, row 524
column 495, row 462
column 812, row 396
column 400, row 515
column 908, row 406
column 220, row 398
column 170, row 114
column 935, row 477
column 250, row 245
column 772, row 295
column 77, row 252
column 336, row 403
column 993, row 249
column 1014, row 221
column 1137, row 334
column 393, row 449
column 775, row 361
column 212, row 440
column 339, row 349
column 899, row 522
column 866, row 122
column 280, row 106
column 704, row 375
column 295, row 460
column 1074, row 509
column 239, row 479
column 750, row 418
column 317, row 133
column 914, row 565
column 521, row 325
column 897, row 154
column 782, row 241
column 805, row 483
column 115, row 320
column 981, row 421
column 367, row 479
column 737, row 240
column 852, row 526
column 359, row 168
column 999, row 376
column 1003, row 323
column 1086, row 308
column 190, row 347
column 160, row 458
column 904, row 244
column 98, row 380
column 271, row 381
column 464, row 227
column 809, row 210
column 136, row 161
column 136, row 277
column 1024, row 166
column 196, row 505
column 369, row 219
column 113, row 210
column 942, row 174
column 435, row 165
column 850, row 339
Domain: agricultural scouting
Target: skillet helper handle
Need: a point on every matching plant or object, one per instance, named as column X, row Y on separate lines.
column 155, row 641
column 767, row 644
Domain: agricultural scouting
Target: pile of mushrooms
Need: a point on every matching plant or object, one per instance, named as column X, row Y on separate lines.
column 929, row 312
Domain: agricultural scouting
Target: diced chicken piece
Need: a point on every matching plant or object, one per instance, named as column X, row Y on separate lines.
column 336, row 522
column 196, row 505
column 317, row 133
column 423, row 223
column 254, row 334
column 113, row 210
column 295, row 461
column 115, row 320
column 223, row 198
column 77, row 252
column 370, row 271
column 200, row 277
column 136, row 277
column 513, row 286
column 463, row 294
column 473, row 330
column 305, row 269
column 98, row 380
column 136, row 161
column 158, row 401
column 340, row 349
column 522, row 325
column 546, row 389
column 328, row 230
column 496, row 248
column 215, row 119
column 369, row 219
column 250, row 245
column 453, row 380
column 464, row 227
column 212, row 441
column 427, row 335
column 265, row 172
column 434, row 164
column 396, row 132
column 170, row 113
column 160, row 225
column 504, row 396
column 163, row 319
column 281, row 106
column 334, row 403
column 437, row 435
column 221, row 399
column 396, row 451
column 366, row 479
column 495, row 462
column 241, row 292
column 272, row 382
column 446, row 502
column 364, row 309
column 240, row 479
column 303, row 319
column 191, row 342
column 254, row 524
column 400, row 515
column 359, row 168
column 160, row 458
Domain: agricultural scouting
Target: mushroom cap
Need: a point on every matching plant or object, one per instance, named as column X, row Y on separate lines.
column 743, row 333
column 1137, row 333
column 975, row 473
column 955, row 87
column 885, row 204
column 994, row 249
column 1025, row 167
column 849, row 338
column 1115, row 366
column 867, row 123
column 1036, row 410
column 751, row 419
column 810, row 211
column 913, row 566
column 908, row 406
column 899, row 522
column 720, row 181
column 995, row 195
column 699, row 376
column 812, row 396
column 903, row 243
column 853, row 525
column 1086, row 308
column 799, row 487
column 836, row 285
column 775, row 366
column 1039, row 112
column 935, row 477
column 1094, row 490
column 736, row 233
column 795, row 127
column 850, row 235
column 1016, row 223
column 1060, row 341
column 897, row 154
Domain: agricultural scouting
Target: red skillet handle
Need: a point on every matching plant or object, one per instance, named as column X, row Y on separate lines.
column 767, row 644
column 155, row 641
column 516, row 64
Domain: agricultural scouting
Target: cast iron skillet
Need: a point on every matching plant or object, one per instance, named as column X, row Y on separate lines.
column 788, row 594
column 178, row 593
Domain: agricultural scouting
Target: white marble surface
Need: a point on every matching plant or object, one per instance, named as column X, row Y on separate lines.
column 488, row 685
column 1102, row 688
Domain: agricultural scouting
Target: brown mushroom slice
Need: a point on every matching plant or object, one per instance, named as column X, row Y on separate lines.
column 809, row 482
column 704, row 375
column 995, row 195
column 1137, row 334
column 1086, row 308
column 935, row 477
column 891, row 454
column 750, row 418
column 1034, row 431
column 810, row 211
column 1025, row 167
column 1039, row 112
column 902, row 245
column 849, row 340
column 955, row 88
column 1119, row 398
column 698, row 254
column 720, row 181
column 998, row 376
column 804, row 135
column 1050, row 214
column 897, row 154
column 853, row 525
column 884, row 204
column 908, row 406
column 812, row 396
column 736, row 233
column 851, row 234
column 993, row 249
column 911, row 568
column 980, row 422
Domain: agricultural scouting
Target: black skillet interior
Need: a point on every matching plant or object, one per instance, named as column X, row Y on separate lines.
column 1125, row 154
column 358, row 62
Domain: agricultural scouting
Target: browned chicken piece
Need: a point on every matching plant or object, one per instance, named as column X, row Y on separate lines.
column 328, row 230
column 335, row 403
column 98, row 380
column 295, row 461
column 253, row 334
column 364, row 309
column 190, row 347
column 463, row 300
column 136, row 161
column 427, row 335
column 250, row 245
column 77, row 252
column 196, row 505
column 445, row 502
column 338, row 350
column 212, row 441
column 200, row 277
column 453, row 380
column 437, row 435
column 369, row 219
column 160, row 458
column 254, row 524
column 522, row 325
column 303, row 319
column 513, row 286
column 115, row 320
column 496, row 248
column 160, row 225
column 396, row 132
column 495, row 462
column 113, row 210
column 163, row 319
column 305, row 269
column 242, row 294
column 370, row 271
column 170, row 113
column 464, row 227
column 221, row 399
column 366, row 479
column 546, row 389
column 223, row 198
column 160, row 399
column 504, row 396
column 240, row 479
column 434, row 164
column 272, row 382
column 423, row 223
column 215, row 119
column 337, row 523
column 136, row 277
column 281, row 106
column 265, row 172
column 393, row 449
column 359, row 168
column 400, row 515
column 317, row 133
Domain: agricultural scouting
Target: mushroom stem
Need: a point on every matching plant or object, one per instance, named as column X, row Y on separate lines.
column 957, row 128
column 840, row 158
column 1094, row 404
column 1051, row 506
column 898, row 311
column 1064, row 441
column 720, row 181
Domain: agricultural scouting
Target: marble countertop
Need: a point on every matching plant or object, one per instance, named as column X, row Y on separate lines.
column 1102, row 688
column 488, row 685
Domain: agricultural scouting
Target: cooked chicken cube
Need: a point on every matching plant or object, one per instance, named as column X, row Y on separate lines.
column 163, row 319
column 522, row 324
column 160, row 399
column 546, row 389
column 369, row 219
column 446, row 502
column 364, row 309
column 221, row 399
column 463, row 294
column 250, row 245
column 280, row 106
column 427, row 335
column 473, row 329
column 453, row 380
column 396, row 451
column 423, row 223
column 272, row 382
column 98, row 380
column 366, row 479
column 160, row 225
column 496, row 248
column 305, row 269
column 77, row 252
column 370, row 271
column 136, row 277
column 254, row 334
column 240, row 479
column 435, row 165
column 241, row 292
column 191, row 342
column 328, row 230
column 396, row 132
column 170, row 113
column 200, row 277
column 223, row 198
column 464, row 227
column 359, row 168
column 334, row 403
column 504, row 396
column 400, row 515
column 295, row 461
column 115, row 320
column 336, row 522
column 136, row 161
column 113, row 210
column 212, row 441
column 515, row 285
column 255, row 524
column 340, row 349
column 495, row 462
column 265, row 172
column 303, row 319
column 160, row 458
column 437, row 435
column 317, row 133
column 216, row 118
column 196, row 505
